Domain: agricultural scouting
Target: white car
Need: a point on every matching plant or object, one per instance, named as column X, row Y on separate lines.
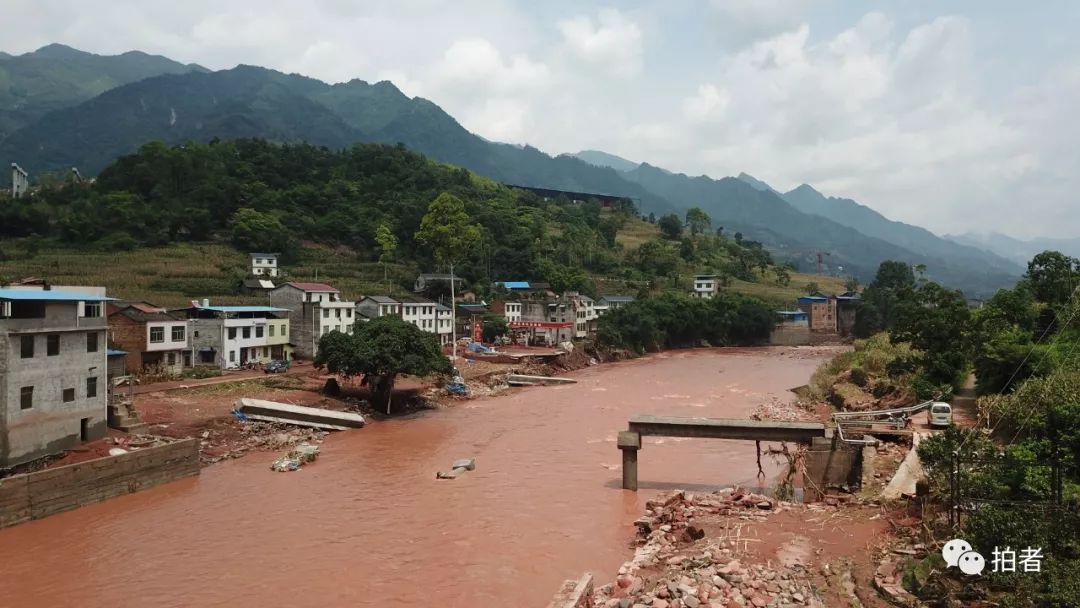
column 940, row 414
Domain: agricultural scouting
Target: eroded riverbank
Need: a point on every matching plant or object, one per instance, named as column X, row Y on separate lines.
column 368, row 525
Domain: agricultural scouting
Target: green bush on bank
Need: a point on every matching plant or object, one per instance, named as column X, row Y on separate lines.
column 675, row 321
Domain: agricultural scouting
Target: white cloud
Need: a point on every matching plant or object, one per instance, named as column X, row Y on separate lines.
column 708, row 104
column 611, row 41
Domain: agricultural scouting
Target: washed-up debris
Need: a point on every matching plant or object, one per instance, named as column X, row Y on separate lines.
column 318, row 418
column 457, row 468
column 298, row 457
column 523, row 380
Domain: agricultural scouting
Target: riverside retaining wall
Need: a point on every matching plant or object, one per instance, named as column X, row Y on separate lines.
column 44, row 493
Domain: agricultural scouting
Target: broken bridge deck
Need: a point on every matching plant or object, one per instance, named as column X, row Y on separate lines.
column 629, row 441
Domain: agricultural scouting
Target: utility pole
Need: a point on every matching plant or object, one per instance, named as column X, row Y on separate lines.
column 453, row 316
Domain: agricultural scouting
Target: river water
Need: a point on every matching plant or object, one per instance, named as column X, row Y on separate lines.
column 369, row 525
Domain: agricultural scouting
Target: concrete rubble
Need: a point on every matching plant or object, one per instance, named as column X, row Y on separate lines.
column 678, row 566
column 258, row 436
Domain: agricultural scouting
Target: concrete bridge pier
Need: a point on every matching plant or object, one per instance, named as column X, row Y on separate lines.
column 629, row 443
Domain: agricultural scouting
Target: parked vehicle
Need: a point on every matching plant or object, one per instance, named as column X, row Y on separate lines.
column 276, row 366
column 940, row 414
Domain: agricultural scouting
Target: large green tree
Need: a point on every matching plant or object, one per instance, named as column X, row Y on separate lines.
column 1053, row 276
column 935, row 321
column 452, row 236
column 670, row 226
column 380, row 350
column 256, row 231
column 388, row 245
column 698, row 221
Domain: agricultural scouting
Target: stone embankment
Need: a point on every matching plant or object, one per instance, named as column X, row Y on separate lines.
column 679, row 565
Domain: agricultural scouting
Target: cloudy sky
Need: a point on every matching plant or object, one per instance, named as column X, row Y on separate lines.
column 956, row 116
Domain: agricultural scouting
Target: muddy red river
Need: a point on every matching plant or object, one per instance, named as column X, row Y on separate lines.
column 369, row 525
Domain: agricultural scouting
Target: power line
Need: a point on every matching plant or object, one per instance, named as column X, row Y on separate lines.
column 1049, row 326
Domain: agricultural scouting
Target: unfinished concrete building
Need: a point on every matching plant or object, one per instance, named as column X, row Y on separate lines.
column 53, row 369
column 20, row 181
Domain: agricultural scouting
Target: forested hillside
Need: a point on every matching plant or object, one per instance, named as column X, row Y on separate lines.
column 260, row 196
column 195, row 106
column 57, row 76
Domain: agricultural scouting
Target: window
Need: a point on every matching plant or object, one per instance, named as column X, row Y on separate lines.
column 178, row 332
column 69, row 395
column 52, row 345
column 92, row 342
column 326, row 313
column 27, row 347
column 92, row 309
column 232, row 333
column 157, row 335
column 258, row 260
column 247, row 333
column 325, row 329
column 284, row 330
column 170, row 359
column 258, row 331
column 271, row 328
column 348, row 313
column 91, row 387
column 26, row 397
column 196, row 333
column 337, row 313
column 232, row 356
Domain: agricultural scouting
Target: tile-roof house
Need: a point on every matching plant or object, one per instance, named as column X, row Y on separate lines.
column 151, row 336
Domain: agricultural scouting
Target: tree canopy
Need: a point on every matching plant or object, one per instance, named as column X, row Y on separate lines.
column 380, row 350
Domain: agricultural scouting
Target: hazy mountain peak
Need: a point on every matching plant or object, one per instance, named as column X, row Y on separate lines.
column 756, row 183
column 58, row 51
column 806, row 189
column 604, row 159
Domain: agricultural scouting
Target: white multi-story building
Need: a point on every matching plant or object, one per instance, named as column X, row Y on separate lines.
column 444, row 324
column 585, row 314
column 512, row 311
column 705, row 286
column 264, row 264
column 230, row 336
column 425, row 314
column 419, row 312
column 316, row 309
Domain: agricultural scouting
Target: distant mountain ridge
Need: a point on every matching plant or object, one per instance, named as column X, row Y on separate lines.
column 247, row 101
column 603, row 159
column 57, row 76
column 1019, row 250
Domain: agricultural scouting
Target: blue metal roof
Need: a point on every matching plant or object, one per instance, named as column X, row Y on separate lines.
column 242, row 309
column 812, row 299
column 7, row 293
column 115, row 352
column 515, row 284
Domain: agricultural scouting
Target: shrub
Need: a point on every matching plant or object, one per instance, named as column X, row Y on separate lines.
column 859, row 377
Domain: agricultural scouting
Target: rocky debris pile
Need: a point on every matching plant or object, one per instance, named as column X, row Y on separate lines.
column 677, row 566
column 303, row 454
column 253, row 435
column 784, row 411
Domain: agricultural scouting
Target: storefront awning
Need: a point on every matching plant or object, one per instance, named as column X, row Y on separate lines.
column 538, row 325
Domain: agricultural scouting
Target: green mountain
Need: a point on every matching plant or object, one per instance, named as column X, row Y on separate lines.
column 756, row 183
column 253, row 102
column 763, row 215
column 57, row 76
column 603, row 159
column 871, row 223
column 1017, row 250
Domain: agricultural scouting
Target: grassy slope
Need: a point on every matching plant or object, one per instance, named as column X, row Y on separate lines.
column 174, row 275
column 636, row 232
